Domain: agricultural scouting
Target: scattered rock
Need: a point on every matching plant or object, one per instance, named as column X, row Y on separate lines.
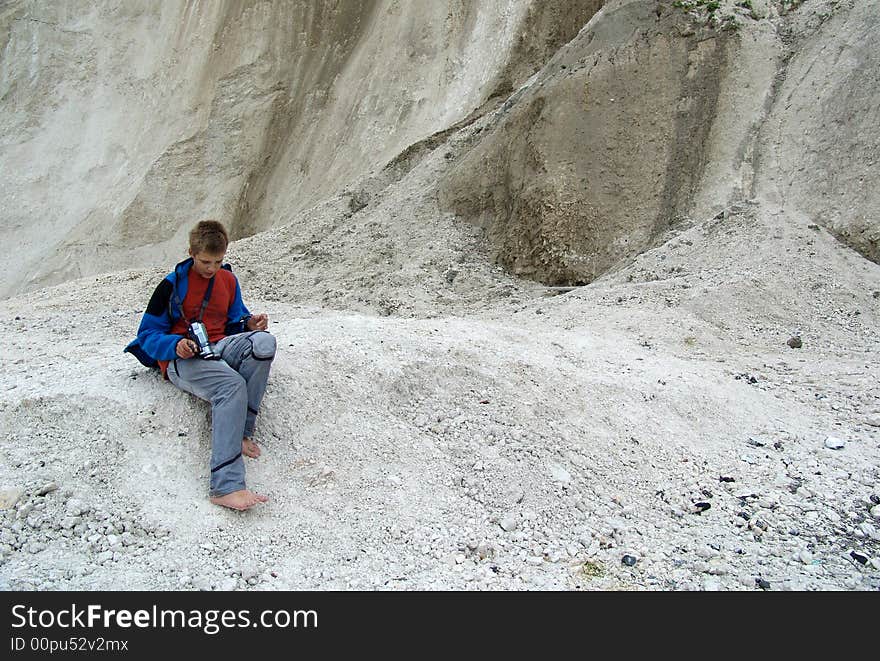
column 701, row 506
column 69, row 522
column 508, row 522
column 795, row 342
column 833, row 443
column 875, row 512
column 761, row 583
column 861, row 558
column 203, row 583
column 47, row 489
column 629, row 560
column 228, row 584
column 76, row 507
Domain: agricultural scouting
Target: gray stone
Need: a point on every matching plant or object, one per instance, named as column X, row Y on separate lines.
column 508, row 522
column 76, row 507
column 47, row 489
column 203, row 583
column 228, row 584
column 69, row 522
column 833, row 443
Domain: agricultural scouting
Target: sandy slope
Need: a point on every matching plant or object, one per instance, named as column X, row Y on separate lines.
column 397, row 450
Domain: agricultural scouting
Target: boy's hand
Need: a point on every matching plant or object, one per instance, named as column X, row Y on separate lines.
column 258, row 322
column 186, row 348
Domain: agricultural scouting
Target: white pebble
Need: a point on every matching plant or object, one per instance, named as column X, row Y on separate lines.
column 508, row 522
column 834, row 443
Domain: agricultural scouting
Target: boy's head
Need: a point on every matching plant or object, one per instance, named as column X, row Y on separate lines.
column 207, row 246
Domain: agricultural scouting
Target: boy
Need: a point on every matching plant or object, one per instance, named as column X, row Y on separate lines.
column 202, row 289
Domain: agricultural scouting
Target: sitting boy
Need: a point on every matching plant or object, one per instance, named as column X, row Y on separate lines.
column 233, row 380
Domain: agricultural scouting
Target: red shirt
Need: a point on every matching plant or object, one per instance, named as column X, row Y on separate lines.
column 215, row 317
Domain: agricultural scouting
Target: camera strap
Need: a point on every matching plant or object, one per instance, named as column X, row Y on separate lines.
column 204, row 302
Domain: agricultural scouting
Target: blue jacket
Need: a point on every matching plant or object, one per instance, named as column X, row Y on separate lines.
column 154, row 340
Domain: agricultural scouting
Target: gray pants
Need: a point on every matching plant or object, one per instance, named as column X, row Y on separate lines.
column 234, row 385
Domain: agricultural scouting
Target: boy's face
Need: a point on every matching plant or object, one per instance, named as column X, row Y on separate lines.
column 206, row 264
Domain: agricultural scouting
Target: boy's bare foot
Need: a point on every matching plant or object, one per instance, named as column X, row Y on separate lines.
column 249, row 448
column 241, row 500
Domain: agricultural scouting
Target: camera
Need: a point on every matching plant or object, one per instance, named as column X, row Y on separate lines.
column 199, row 334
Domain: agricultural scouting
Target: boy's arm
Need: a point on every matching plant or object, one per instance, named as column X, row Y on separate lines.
column 238, row 314
column 154, row 332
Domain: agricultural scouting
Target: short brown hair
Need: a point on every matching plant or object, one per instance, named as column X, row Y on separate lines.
column 208, row 236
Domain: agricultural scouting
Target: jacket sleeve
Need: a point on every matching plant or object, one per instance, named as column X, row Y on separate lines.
column 238, row 314
column 154, row 335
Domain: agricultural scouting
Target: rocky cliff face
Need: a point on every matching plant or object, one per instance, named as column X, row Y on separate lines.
column 659, row 113
column 122, row 123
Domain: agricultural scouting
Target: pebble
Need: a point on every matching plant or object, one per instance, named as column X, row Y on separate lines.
column 861, row 558
column 8, row 498
column 47, row 489
column 559, row 473
column 228, row 585
column 873, row 420
column 761, row 583
column 629, row 560
column 485, row 550
column 508, row 522
column 833, row 443
column 795, row 342
column 76, row 507
column 69, row 522
column 875, row 512
column 805, row 557
column 203, row 583
column 104, row 556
